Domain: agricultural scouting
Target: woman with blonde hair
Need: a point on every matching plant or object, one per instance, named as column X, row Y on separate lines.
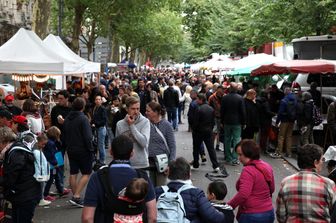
column 187, row 100
column 252, row 115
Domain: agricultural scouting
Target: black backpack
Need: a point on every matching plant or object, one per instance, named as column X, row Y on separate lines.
column 111, row 203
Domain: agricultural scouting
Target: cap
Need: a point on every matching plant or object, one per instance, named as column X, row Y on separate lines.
column 9, row 98
column 20, row 120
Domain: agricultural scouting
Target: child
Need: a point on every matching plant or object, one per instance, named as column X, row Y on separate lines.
column 49, row 151
column 41, row 142
column 216, row 193
column 135, row 192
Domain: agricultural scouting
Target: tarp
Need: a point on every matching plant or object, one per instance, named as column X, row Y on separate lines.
column 296, row 66
column 55, row 44
column 217, row 64
column 244, row 66
column 24, row 54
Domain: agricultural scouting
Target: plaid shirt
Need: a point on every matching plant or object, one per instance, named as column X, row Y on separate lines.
column 305, row 197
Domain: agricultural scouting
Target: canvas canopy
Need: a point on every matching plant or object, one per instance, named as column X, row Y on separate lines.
column 296, row 66
column 55, row 44
column 24, row 54
column 244, row 66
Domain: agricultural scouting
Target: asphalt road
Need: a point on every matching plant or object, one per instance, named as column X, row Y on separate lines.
column 60, row 211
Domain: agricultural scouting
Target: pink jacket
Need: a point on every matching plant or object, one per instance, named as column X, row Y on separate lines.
column 254, row 193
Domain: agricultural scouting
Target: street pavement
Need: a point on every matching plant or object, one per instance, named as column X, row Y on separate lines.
column 61, row 211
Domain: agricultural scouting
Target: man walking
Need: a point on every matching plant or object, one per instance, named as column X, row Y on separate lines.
column 233, row 116
column 171, row 102
column 204, row 121
column 78, row 136
column 137, row 127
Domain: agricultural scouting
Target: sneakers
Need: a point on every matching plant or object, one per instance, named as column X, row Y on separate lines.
column 77, row 202
column 233, row 163
column 49, row 198
column 44, row 203
column 218, row 148
column 203, row 157
column 275, row 155
column 216, row 170
column 66, row 191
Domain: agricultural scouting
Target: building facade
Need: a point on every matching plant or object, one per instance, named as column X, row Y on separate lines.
column 14, row 14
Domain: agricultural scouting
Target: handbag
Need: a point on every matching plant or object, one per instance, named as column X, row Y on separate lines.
column 161, row 160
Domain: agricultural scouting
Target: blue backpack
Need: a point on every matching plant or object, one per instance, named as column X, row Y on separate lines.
column 170, row 206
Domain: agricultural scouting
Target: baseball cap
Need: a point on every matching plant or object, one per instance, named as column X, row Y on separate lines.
column 9, row 98
column 20, row 120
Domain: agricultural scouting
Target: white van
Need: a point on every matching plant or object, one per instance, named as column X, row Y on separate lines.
column 328, row 82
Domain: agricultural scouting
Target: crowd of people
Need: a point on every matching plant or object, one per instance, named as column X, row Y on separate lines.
column 134, row 117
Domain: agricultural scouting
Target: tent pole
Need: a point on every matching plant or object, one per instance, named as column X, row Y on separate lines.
column 321, row 93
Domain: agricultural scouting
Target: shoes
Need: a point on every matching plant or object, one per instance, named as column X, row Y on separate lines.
column 216, row 170
column 218, row 148
column 224, row 172
column 203, row 157
column 44, row 203
column 194, row 167
column 180, row 123
column 66, row 191
column 49, row 198
column 275, row 155
column 77, row 202
column 233, row 163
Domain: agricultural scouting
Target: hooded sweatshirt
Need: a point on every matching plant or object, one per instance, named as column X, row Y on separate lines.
column 78, row 133
column 139, row 132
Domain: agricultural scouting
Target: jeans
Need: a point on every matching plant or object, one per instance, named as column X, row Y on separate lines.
column 231, row 139
column 206, row 137
column 110, row 135
column 24, row 212
column 101, row 134
column 263, row 217
column 53, row 175
column 172, row 116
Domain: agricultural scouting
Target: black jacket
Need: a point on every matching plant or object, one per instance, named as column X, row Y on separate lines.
column 19, row 182
column 305, row 115
column 78, row 133
column 265, row 113
column 252, row 114
column 204, row 118
column 99, row 117
column 171, row 98
column 233, row 110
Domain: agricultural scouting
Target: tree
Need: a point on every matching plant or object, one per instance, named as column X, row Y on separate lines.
column 41, row 12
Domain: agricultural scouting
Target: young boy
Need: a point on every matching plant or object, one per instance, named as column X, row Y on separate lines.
column 134, row 193
column 41, row 142
column 216, row 193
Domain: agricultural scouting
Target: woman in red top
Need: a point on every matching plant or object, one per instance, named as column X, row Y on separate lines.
column 255, row 186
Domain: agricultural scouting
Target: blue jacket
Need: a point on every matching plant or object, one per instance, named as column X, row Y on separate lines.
column 49, row 151
column 282, row 117
column 197, row 206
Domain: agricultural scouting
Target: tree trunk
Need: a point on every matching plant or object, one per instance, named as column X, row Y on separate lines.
column 41, row 12
column 132, row 55
column 127, row 51
column 77, row 25
column 89, row 47
column 115, row 54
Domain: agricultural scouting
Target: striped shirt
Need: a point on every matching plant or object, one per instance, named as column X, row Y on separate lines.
column 305, row 197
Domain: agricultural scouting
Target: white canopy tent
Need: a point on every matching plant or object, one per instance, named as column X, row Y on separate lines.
column 24, row 54
column 55, row 44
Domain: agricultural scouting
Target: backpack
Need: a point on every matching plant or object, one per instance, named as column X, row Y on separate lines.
column 42, row 169
column 111, row 203
column 317, row 118
column 170, row 206
column 291, row 111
